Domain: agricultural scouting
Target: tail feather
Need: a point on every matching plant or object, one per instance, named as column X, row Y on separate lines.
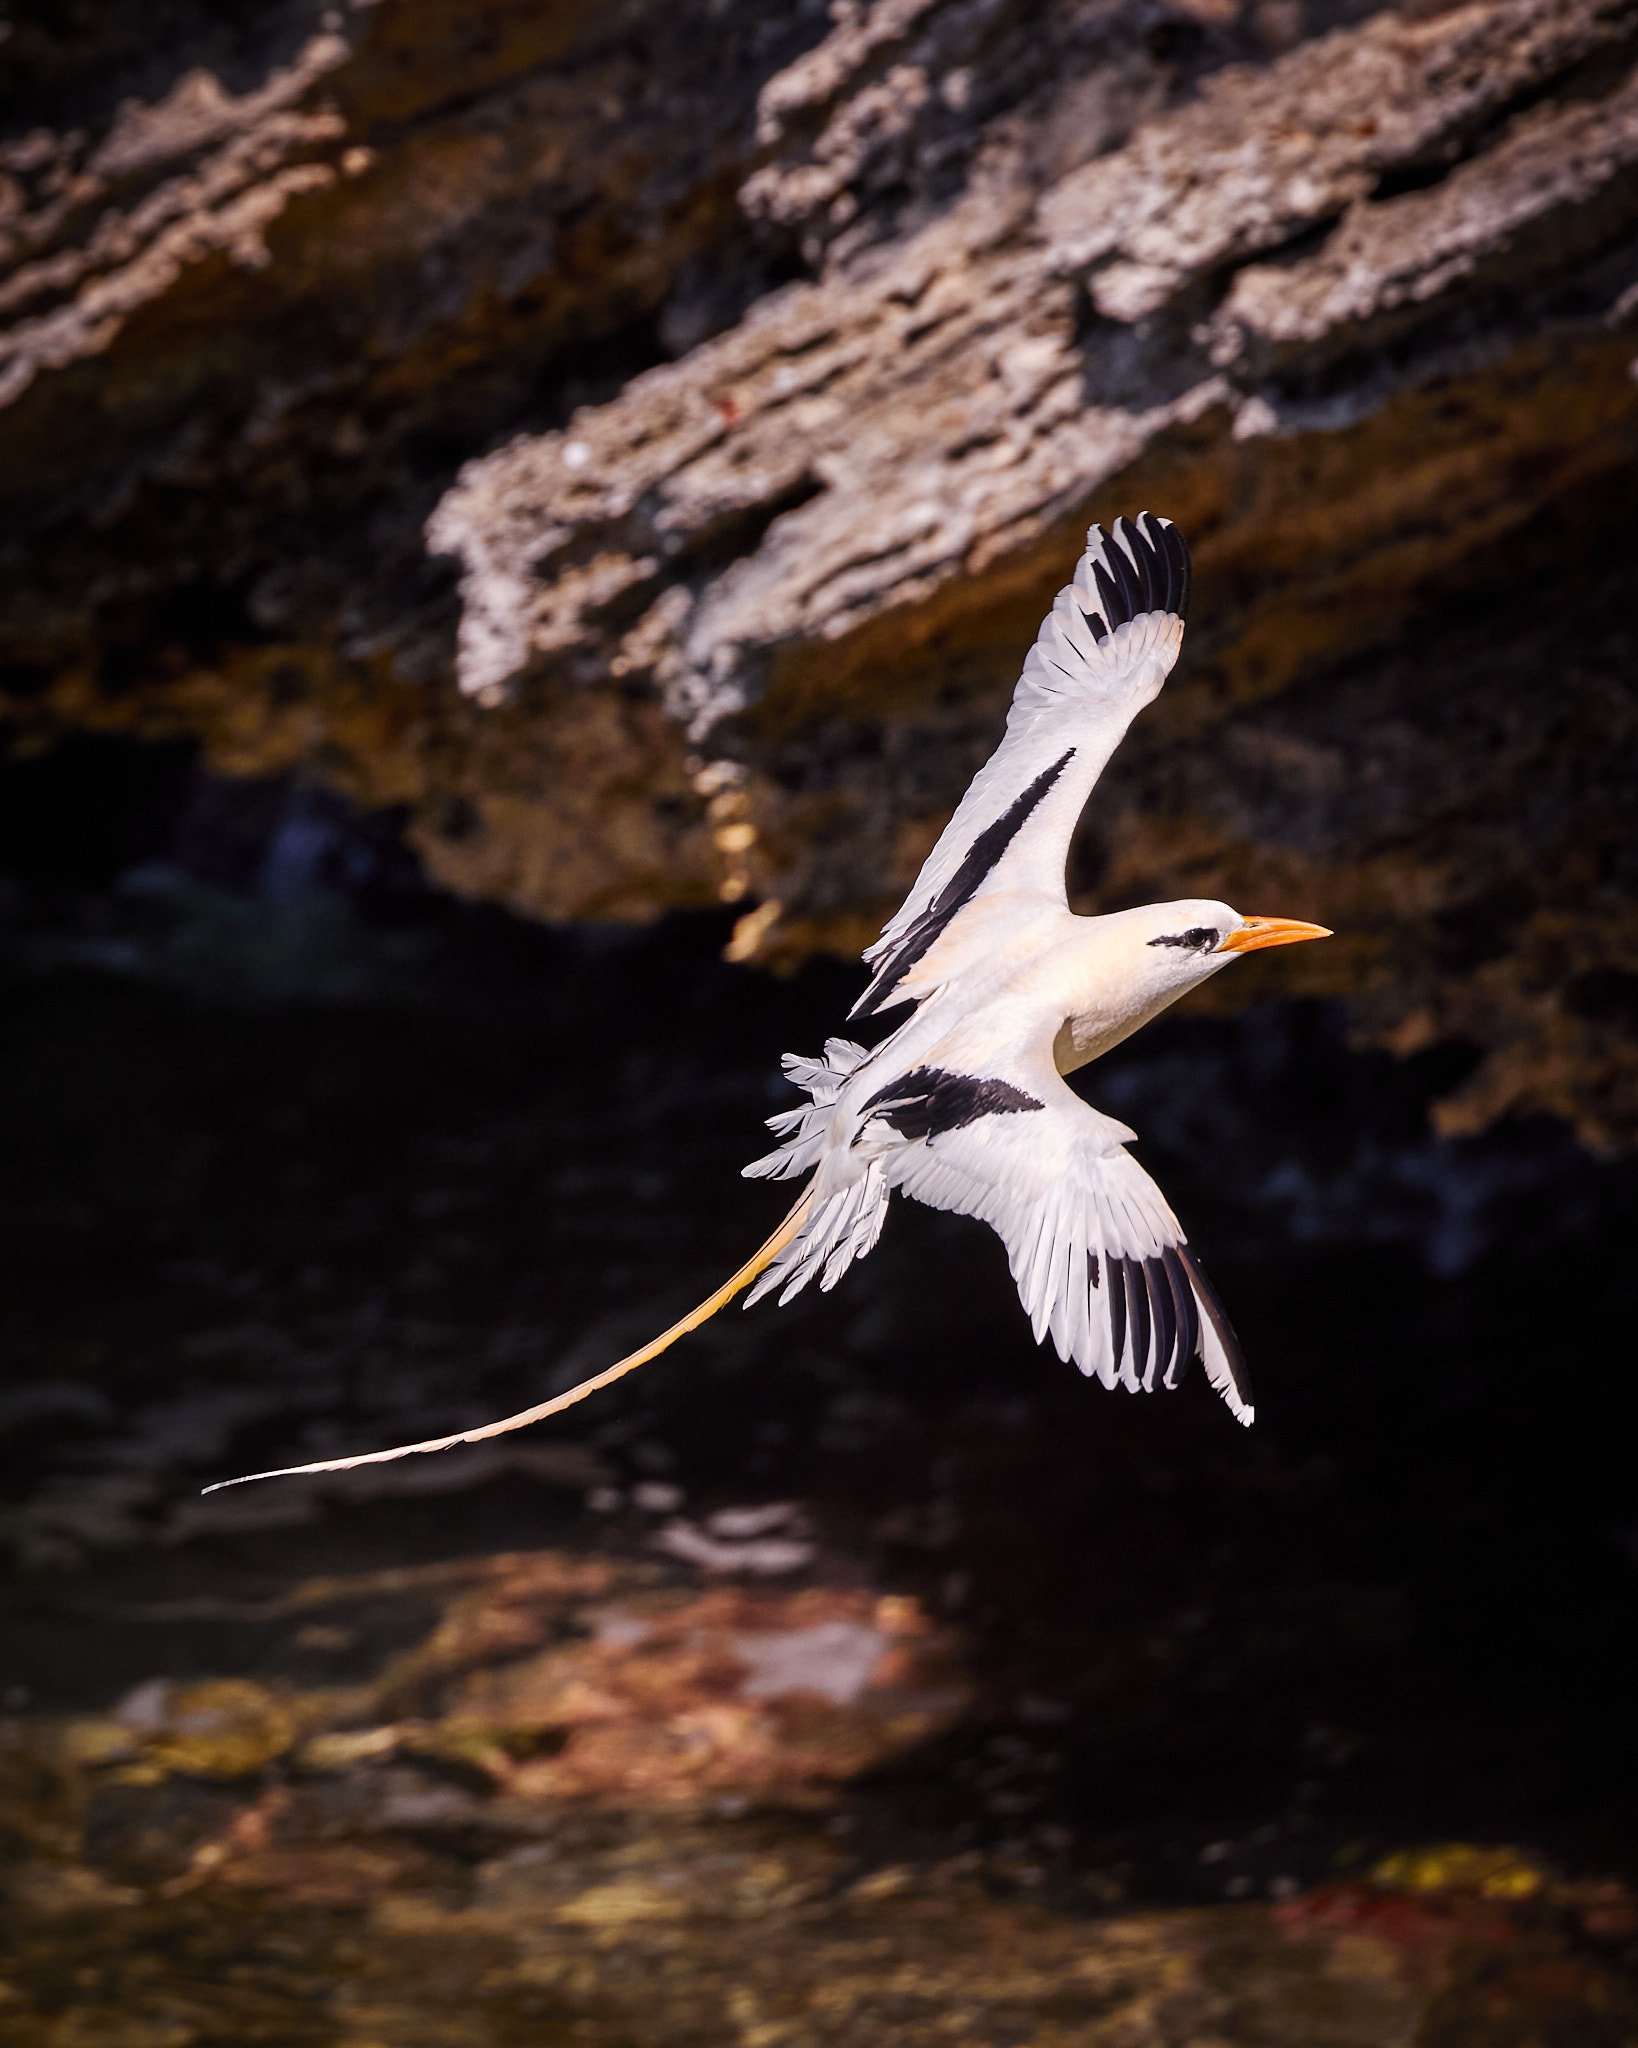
column 840, row 1227
column 847, row 1198
column 763, row 1257
column 806, row 1128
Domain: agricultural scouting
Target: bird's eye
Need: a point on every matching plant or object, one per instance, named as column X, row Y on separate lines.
column 1198, row 938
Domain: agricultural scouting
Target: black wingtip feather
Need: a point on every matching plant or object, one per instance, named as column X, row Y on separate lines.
column 1152, row 564
column 1206, row 1294
column 1121, row 553
column 1188, row 1316
column 1162, row 1321
column 1179, row 549
column 1145, row 568
column 1110, row 595
column 1137, row 1322
column 1160, row 544
column 1117, row 1315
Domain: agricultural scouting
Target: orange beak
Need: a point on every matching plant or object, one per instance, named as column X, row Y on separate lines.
column 1258, row 932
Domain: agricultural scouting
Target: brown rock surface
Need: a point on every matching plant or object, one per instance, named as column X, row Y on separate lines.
column 821, row 335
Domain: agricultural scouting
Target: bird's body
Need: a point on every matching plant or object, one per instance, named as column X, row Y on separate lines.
column 964, row 1106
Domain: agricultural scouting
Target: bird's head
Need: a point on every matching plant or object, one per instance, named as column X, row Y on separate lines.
column 1180, row 944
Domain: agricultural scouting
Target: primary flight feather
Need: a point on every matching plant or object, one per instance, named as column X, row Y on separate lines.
column 964, row 1106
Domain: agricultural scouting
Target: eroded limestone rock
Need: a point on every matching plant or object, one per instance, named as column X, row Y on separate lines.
column 1350, row 294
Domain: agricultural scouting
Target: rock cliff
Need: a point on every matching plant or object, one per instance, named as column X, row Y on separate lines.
column 635, row 443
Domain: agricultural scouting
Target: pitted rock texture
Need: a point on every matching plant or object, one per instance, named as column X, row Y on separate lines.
column 639, row 444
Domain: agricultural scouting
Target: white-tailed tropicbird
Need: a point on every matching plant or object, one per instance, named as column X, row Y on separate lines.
column 965, row 1106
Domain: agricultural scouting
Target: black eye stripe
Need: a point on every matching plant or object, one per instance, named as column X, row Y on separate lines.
column 1199, row 938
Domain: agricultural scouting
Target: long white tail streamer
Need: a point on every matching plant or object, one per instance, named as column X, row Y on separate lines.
column 555, row 1406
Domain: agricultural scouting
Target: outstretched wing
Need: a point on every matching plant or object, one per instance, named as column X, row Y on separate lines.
column 1099, row 1259
column 1103, row 652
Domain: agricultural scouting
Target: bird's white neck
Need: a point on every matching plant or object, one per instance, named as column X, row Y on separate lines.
column 1111, row 988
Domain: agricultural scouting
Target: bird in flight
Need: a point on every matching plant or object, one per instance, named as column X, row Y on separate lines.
column 965, row 1106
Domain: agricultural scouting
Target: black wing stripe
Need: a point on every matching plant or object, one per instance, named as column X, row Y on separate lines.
column 929, row 1101
column 1206, row 1295
column 985, row 851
